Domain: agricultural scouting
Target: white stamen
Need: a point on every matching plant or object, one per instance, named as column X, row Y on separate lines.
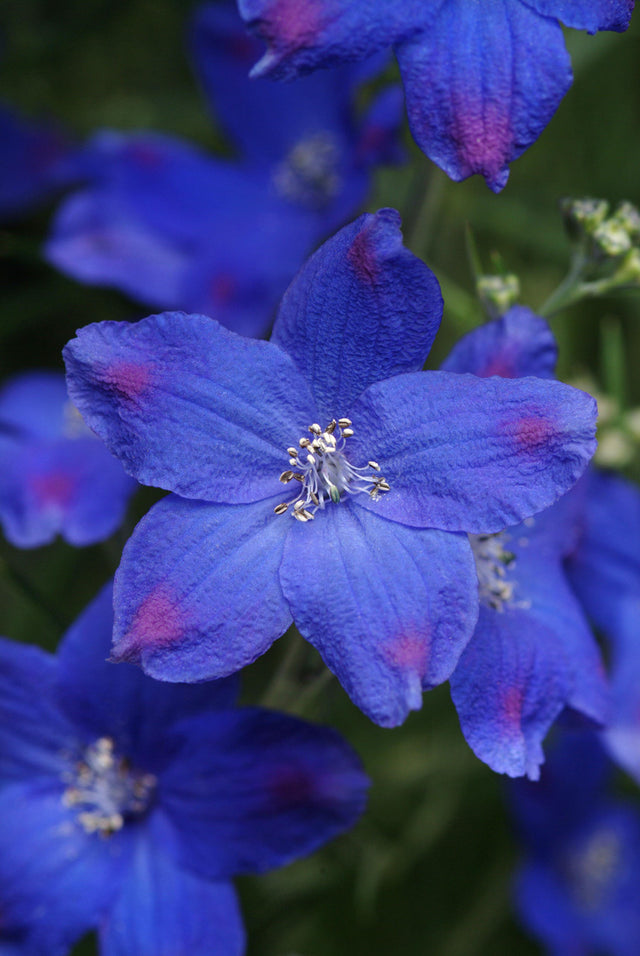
column 325, row 473
column 492, row 565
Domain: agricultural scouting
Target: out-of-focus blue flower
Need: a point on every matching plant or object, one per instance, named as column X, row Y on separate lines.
column 127, row 805
column 36, row 160
column 532, row 653
column 579, row 889
column 56, row 476
column 332, row 423
column 482, row 80
column 176, row 228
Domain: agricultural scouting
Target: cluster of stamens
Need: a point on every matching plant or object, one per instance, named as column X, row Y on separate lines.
column 105, row 791
column 308, row 175
column 492, row 564
column 319, row 464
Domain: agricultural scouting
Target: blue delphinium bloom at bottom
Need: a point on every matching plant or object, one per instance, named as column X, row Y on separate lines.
column 127, row 805
column 579, row 889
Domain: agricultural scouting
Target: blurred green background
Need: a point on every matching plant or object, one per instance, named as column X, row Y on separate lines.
column 427, row 870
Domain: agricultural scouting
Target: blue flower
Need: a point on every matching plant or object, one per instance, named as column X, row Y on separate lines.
column 176, row 228
column 127, row 805
column 320, row 477
column 482, row 80
column 579, row 889
column 56, row 477
column 532, row 653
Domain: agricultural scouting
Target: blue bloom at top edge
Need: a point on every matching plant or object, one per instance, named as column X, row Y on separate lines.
column 578, row 890
column 127, row 805
column 56, row 477
column 307, row 470
column 175, row 227
column 482, row 80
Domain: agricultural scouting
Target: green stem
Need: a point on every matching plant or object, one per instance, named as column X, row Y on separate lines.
column 568, row 292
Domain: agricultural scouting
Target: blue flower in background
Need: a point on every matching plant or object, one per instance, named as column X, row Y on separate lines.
column 482, row 80
column 127, row 805
column 320, row 477
column 579, row 888
column 176, row 228
column 56, row 477
column 532, row 653
column 36, row 159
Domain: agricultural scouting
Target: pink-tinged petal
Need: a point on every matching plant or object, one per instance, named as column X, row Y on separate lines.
column 189, row 406
column 511, row 683
column 361, row 309
column 462, row 453
column 481, row 84
column 302, row 36
column 389, row 608
column 590, row 15
column 197, row 595
column 518, row 344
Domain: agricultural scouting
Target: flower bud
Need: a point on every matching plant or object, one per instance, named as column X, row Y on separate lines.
column 583, row 216
column 498, row 293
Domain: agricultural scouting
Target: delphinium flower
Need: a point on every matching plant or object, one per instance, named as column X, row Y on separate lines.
column 128, row 805
column 320, row 476
column 56, row 476
column 36, row 159
column 175, row 227
column 482, row 80
column 579, row 889
column 532, row 653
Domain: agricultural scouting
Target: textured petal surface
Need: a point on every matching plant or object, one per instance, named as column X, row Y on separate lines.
column 301, row 37
column 255, row 789
column 518, row 344
column 189, row 406
column 119, row 701
column 397, row 605
column 481, row 84
column 591, row 15
column 362, row 308
column 510, row 685
column 56, row 878
column 33, row 732
column 197, row 595
column 164, row 910
column 463, row 453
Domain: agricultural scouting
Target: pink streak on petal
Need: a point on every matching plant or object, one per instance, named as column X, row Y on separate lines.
column 53, row 488
column 128, row 379
column 158, row 623
column 363, row 258
column 288, row 786
column 500, row 365
column 484, row 138
column 294, row 24
column 223, row 288
column 533, row 433
column 512, row 701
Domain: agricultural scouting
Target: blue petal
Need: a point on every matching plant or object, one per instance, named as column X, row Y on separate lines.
column 33, row 731
column 362, row 308
column 301, row 37
column 463, row 453
column 57, row 879
column 32, row 405
column 481, row 85
column 590, row 15
column 162, row 909
column 197, row 595
column 518, row 344
column 511, row 683
column 97, row 237
column 622, row 736
column 254, row 789
column 103, row 699
column 73, row 487
column 188, row 406
column 606, row 563
column 389, row 608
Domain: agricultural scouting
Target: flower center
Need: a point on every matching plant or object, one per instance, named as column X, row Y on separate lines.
column 104, row 790
column 325, row 473
column 591, row 868
column 309, row 173
column 492, row 565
